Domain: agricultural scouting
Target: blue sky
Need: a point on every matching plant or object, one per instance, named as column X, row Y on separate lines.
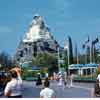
column 77, row 18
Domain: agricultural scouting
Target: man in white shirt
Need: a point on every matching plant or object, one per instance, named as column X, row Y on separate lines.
column 13, row 88
column 47, row 92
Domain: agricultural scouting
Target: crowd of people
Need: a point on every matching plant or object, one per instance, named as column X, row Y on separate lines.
column 64, row 79
column 14, row 87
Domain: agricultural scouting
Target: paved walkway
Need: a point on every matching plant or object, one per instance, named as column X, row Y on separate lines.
column 78, row 90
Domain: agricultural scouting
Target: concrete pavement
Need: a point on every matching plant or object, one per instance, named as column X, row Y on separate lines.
column 78, row 90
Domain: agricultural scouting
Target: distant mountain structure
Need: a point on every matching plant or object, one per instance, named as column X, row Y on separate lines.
column 38, row 39
column 37, row 30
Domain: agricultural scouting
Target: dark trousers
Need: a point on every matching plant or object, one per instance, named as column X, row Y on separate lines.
column 18, row 96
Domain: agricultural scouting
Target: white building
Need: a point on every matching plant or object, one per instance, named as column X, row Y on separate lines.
column 83, row 69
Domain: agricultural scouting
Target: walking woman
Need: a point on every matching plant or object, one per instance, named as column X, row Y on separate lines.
column 13, row 88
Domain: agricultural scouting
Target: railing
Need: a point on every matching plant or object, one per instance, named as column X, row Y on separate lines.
column 85, row 78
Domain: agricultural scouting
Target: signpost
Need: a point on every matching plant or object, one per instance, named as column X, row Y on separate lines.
column 58, row 60
column 66, row 47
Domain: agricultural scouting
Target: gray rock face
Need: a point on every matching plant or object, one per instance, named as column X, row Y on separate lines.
column 38, row 39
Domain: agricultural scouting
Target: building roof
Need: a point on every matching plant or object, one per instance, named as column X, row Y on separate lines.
column 76, row 66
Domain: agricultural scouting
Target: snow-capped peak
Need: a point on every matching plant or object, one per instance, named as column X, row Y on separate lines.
column 37, row 30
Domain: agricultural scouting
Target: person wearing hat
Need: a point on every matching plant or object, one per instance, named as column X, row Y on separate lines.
column 13, row 88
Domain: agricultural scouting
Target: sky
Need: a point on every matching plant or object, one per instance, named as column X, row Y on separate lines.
column 77, row 18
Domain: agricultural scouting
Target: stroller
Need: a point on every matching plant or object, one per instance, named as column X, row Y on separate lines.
column 97, row 89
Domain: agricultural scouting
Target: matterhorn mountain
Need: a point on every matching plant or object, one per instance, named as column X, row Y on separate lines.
column 37, row 30
column 37, row 39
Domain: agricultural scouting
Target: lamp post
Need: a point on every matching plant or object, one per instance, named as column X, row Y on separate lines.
column 58, row 59
column 66, row 47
